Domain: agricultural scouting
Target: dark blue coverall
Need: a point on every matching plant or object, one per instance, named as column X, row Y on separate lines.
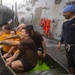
column 68, row 36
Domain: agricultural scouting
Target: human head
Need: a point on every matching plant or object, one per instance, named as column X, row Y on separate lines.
column 20, row 27
column 22, row 19
column 69, row 11
column 30, row 29
column 24, row 33
column 42, row 19
column 3, row 27
column 7, row 29
column 13, row 32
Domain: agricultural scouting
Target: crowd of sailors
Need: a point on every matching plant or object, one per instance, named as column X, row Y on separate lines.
column 22, row 47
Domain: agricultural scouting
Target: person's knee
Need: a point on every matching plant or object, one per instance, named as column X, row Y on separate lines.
column 16, row 67
column 39, row 53
column 13, row 66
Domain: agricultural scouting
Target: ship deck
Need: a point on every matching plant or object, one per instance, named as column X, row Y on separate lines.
column 59, row 56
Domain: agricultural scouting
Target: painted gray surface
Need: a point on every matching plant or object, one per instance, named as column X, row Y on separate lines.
column 54, row 12
column 60, row 56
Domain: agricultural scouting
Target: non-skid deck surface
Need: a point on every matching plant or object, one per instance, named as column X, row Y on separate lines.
column 43, row 69
column 44, row 72
column 4, row 70
column 37, row 70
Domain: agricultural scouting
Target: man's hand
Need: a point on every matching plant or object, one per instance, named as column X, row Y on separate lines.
column 8, row 61
column 44, row 54
column 5, row 55
column 59, row 46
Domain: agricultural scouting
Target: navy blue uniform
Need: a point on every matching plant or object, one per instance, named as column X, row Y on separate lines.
column 68, row 36
column 68, row 32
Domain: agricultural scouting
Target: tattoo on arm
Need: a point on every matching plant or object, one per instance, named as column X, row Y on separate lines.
column 13, row 37
column 6, row 42
column 12, row 43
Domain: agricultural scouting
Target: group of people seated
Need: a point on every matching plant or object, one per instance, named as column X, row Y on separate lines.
column 22, row 48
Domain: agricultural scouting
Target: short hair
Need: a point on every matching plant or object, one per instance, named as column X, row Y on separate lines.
column 29, row 27
column 21, row 25
column 14, row 30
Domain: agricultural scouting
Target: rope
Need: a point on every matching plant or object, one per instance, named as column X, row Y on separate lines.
column 68, row 46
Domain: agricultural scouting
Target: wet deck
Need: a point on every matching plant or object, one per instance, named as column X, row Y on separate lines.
column 60, row 56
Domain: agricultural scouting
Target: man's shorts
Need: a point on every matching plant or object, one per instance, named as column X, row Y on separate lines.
column 26, row 64
column 40, row 48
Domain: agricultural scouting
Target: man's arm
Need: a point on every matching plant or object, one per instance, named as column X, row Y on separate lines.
column 9, row 60
column 12, row 43
column 16, row 54
column 62, row 38
column 13, row 37
column 60, row 42
column 44, row 48
column 9, row 52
